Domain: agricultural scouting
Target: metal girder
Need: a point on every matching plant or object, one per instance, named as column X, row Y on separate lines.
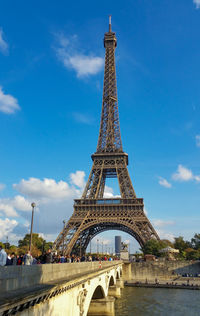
column 93, row 216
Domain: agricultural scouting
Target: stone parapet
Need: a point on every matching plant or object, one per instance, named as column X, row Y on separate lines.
column 162, row 269
column 19, row 277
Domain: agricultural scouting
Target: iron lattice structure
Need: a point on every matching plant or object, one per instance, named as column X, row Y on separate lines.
column 93, row 213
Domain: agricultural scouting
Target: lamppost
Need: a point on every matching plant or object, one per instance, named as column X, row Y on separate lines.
column 31, row 233
column 63, row 237
column 80, row 248
column 6, row 245
column 97, row 246
column 90, row 245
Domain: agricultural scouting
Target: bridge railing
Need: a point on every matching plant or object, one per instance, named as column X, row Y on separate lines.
column 19, row 277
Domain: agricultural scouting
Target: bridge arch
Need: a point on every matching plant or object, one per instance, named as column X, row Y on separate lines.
column 98, row 293
column 99, row 289
column 111, row 281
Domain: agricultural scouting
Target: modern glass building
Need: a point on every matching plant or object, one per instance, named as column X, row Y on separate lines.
column 118, row 241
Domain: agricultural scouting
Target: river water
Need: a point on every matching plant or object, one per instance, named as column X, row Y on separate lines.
column 147, row 301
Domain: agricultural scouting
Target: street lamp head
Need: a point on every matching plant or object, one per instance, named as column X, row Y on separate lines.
column 33, row 204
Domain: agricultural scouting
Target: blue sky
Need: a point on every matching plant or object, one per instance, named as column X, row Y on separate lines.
column 51, row 79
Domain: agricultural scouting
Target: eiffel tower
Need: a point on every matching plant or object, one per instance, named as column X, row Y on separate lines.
column 93, row 213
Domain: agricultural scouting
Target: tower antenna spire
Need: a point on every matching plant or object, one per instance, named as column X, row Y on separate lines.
column 110, row 23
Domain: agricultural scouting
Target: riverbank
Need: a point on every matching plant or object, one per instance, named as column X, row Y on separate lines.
column 163, row 270
column 162, row 284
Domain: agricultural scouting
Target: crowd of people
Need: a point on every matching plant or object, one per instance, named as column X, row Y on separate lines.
column 47, row 257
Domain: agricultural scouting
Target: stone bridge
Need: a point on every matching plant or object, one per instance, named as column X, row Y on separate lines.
column 68, row 289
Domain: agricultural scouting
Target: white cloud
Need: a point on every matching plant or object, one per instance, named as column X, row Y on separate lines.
column 21, row 204
column 48, row 237
column 78, row 178
column 54, row 202
column 8, row 104
column 197, row 140
column 3, row 44
column 83, row 118
column 2, row 186
column 165, row 235
column 7, row 208
column 46, row 189
column 101, row 241
column 163, row 182
column 10, row 205
column 183, row 174
column 84, row 65
column 161, row 223
column 108, row 193
column 6, row 227
column 12, row 237
column 197, row 3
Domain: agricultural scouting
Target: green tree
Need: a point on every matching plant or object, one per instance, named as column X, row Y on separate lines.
column 195, row 242
column 13, row 248
column 6, row 245
column 164, row 243
column 48, row 245
column 192, row 254
column 181, row 244
column 152, row 247
column 2, row 245
column 37, row 241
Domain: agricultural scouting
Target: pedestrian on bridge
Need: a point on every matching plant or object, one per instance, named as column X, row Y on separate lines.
column 49, row 257
column 28, row 259
column 3, row 257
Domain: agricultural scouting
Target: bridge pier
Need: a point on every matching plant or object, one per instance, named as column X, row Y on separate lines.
column 127, row 272
column 120, row 283
column 115, row 291
column 102, row 307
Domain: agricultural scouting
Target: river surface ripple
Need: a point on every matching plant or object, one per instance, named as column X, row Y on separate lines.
column 150, row 301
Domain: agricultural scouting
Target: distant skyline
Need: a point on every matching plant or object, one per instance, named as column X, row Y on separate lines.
column 51, row 84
